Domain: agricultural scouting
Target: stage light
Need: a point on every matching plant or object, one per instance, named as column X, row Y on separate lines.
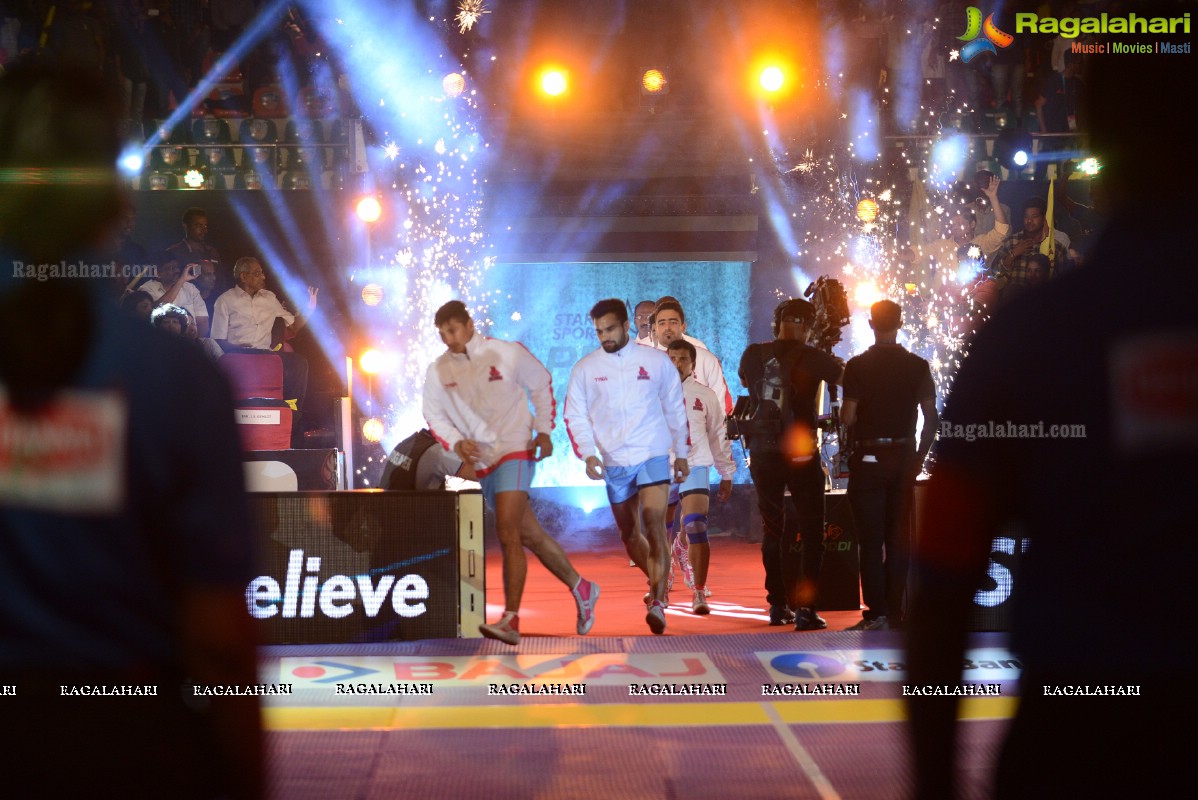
column 949, row 154
column 369, row 209
column 867, row 209
column 372, row 362
column 453, row 84
column 1013, row 149
column 373, row 429
column 193, row 178
column 654, row 82
column 372, row 294
column 554, row 82
column 131, row 161
column 772, row 79
column 1089, row 166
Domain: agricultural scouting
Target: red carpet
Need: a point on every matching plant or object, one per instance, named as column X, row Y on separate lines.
column 736, row 580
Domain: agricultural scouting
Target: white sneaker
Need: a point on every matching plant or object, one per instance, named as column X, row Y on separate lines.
column 507, row 630
column 586, row 594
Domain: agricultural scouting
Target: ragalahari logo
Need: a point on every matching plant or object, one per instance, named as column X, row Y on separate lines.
column 991, row 35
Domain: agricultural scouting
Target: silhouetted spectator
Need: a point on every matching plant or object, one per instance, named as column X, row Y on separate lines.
column 125, row 537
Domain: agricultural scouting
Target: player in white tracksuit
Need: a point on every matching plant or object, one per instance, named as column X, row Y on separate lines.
column 709, row 447
column 476, row 398
column 624, row 413
column 669, row 325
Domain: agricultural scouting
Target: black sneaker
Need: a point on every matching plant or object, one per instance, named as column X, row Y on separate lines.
column 875, row 624
column 781, row 615
column 807, row 620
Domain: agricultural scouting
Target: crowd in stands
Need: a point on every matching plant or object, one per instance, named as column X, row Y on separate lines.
column 245, row 132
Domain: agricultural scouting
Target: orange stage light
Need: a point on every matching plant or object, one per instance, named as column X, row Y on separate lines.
column 772, row 79
column 372, row 361
column 372, row 294
column 453, row 84
column 554, row 82
column 369, row 209
column 867, row 209
column 654, row 82
column 373, row 429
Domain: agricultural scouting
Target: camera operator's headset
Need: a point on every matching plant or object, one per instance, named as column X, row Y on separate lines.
column 776, row 325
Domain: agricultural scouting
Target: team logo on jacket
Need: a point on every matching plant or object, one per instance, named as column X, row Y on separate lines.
column 495, row 376
column 698, row 406
column 642, row 375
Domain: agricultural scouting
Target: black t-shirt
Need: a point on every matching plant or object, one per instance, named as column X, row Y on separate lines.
column 887, row 382
column 760, row 371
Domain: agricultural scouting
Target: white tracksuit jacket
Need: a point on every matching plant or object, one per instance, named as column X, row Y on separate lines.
column 483, row 395
column 626, row 407
column 709, row 438
column 709, row 372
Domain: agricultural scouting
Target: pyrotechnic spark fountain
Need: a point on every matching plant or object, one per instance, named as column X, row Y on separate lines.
column 428, row 245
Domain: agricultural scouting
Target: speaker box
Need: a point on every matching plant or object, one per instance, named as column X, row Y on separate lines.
column 368, row 566
column 839, row 577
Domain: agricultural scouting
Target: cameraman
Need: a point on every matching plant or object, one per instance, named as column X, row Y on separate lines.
column 783, row 378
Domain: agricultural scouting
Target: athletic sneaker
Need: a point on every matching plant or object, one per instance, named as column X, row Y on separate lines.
column 586, row 594
column 875, row 624
column 683, row 560
column 648, row 598
column 699, row 604
column 656, row 618
column 807, row 620
column 781, row 615
column 507, row 630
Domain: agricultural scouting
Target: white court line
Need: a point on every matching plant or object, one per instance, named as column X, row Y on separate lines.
column 800, row 754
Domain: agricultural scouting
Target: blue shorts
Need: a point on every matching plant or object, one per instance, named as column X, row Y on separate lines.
column 698, row 481
column 510, row 476
column 624, row 482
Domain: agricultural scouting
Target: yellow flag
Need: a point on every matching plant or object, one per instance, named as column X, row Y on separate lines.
column 1049, row 246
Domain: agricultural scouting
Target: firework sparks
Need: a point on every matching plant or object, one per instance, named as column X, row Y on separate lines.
column 470, row 12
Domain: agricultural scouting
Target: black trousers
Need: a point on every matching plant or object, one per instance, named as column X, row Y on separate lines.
column 880, row 494
column 792, row 548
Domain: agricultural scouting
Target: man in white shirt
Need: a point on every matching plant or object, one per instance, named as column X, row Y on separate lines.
column 643, row 316
column 669, row 321
column 173, row 287
column 624, row 413
column 245, row 315
column 243, row 320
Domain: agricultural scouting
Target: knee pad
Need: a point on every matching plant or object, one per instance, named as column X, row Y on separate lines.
column 695, row 526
